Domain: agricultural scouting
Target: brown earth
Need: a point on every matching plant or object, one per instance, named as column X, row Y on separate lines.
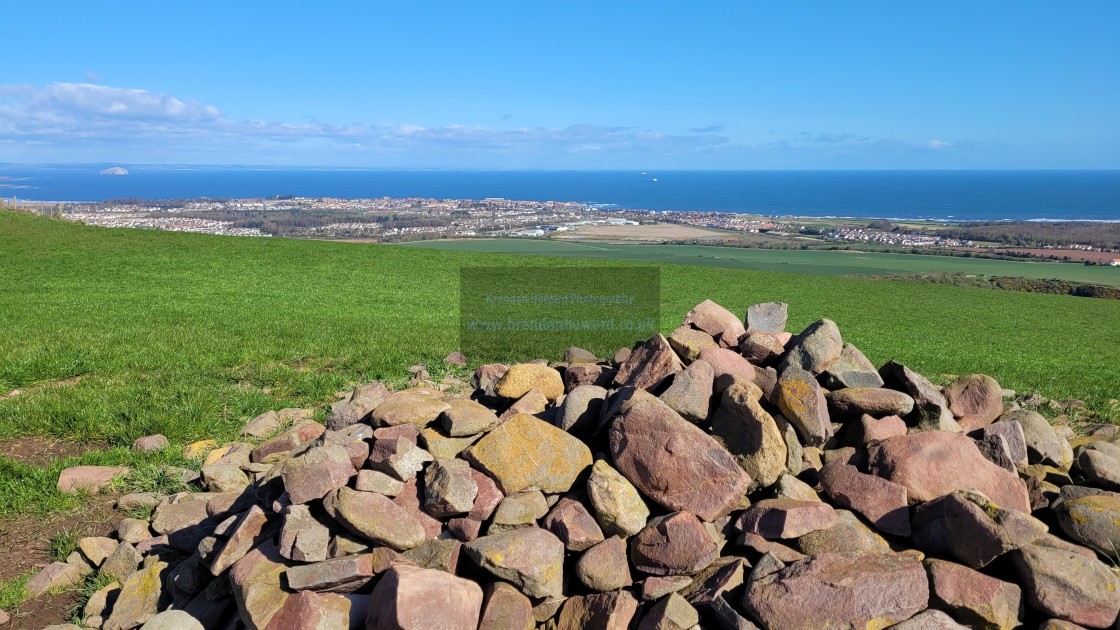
column 637, row 233
column 1074, row 254
column 25, row 547
column 33, row 450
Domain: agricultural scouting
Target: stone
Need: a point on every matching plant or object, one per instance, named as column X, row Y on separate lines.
column 136, row 500
column 97, row 549
column 929, row 620
column 1093, row 521
column 619, row 509
column 303, row 538
column 410, row 500
column 449, row 489
column 488, row 498
column 442, row 447
column 506, row 609
column 573, row 524
column 317, row 472
column 605, row 566
column 466, row 417
column 173, row 620
column 719, row 579
column 649, row 366
column 1044, row 445
column 674, row 462
column 312, row 610
column 197, row 450
column 250, row 530
column 1100, row 463
column 224, row 478
column 786, row 518
column 883, row 503
column 262, row 426
column 975, row 394
column 486, row 377
column 1013, row 438
column 529, row 557
column 588, row 374
column 336, row 575
column 931, row 410
column 671, row 613
column 375, row 517
column 256, row 584
column 815, row 349
column 1067, row 585
column 849, row 535
column 762, row 546
column 715, row 320
column 379, row 482
column 852, row 369
column 418, row 406
column 609, row 611
column 768, row 317
column 727, row 363
column 464, row 529
column 656, row 587
column 520, row 378
column 579, row 415
column 122, row 562
column 532, row 403
column 575, row 354
column 877, row 402
column 790, row 487
column 519, row 509
column 414, row 598
column 140, row 598
column 972, row 529
column 935, row 463
column 869, row 429
column 89, row 479
column 150, row 443
column 975, row 598
column 803, row 404
column 54, row 577
column 526, row 453
column 133, row 530
column 994, row 448
column 288, row 441
column 689, row 342
column 399, row 457
column 839, row 591
column 674, row 544
column 691, row 392
column 761, row 348
column 751, row 436
column 438, row 553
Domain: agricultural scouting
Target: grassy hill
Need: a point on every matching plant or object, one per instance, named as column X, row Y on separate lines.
column 116, row 334
column 822, row 262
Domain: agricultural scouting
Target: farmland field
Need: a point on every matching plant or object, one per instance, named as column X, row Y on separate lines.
column 113, row 334
column 823, row 262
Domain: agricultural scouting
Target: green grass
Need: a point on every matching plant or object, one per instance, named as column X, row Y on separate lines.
column 13, row 592
column 820, row 262
column 62, row 544
column 189, row 335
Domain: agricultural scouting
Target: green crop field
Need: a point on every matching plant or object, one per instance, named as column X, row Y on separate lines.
column 822, row 262
column 189, row 335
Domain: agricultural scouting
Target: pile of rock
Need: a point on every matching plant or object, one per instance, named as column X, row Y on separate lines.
column 731, row 475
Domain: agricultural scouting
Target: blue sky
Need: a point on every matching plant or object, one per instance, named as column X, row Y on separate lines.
column 573, row 85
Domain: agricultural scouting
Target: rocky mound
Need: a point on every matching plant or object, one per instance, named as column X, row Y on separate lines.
column 730, row 476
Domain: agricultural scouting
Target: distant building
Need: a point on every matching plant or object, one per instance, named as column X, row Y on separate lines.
column 1115, row 262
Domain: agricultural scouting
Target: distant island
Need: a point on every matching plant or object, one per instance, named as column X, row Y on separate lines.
column 116, row 170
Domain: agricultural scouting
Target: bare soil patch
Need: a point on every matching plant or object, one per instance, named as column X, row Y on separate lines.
column 656, row 232
column 25, row 547
column 66, row 382
column 38, row 451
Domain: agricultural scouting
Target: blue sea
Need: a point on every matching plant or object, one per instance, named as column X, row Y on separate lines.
column 931, row 195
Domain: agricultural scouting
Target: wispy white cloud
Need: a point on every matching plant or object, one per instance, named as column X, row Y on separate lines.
column 90, row 122
column 938, row 145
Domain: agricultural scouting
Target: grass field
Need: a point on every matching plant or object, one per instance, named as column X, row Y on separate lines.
column 831, row 263
column 188, row 335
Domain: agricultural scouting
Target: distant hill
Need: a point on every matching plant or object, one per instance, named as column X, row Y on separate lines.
column 115, row 170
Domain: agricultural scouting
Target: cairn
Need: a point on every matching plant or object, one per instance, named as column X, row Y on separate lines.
column 732, row 475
